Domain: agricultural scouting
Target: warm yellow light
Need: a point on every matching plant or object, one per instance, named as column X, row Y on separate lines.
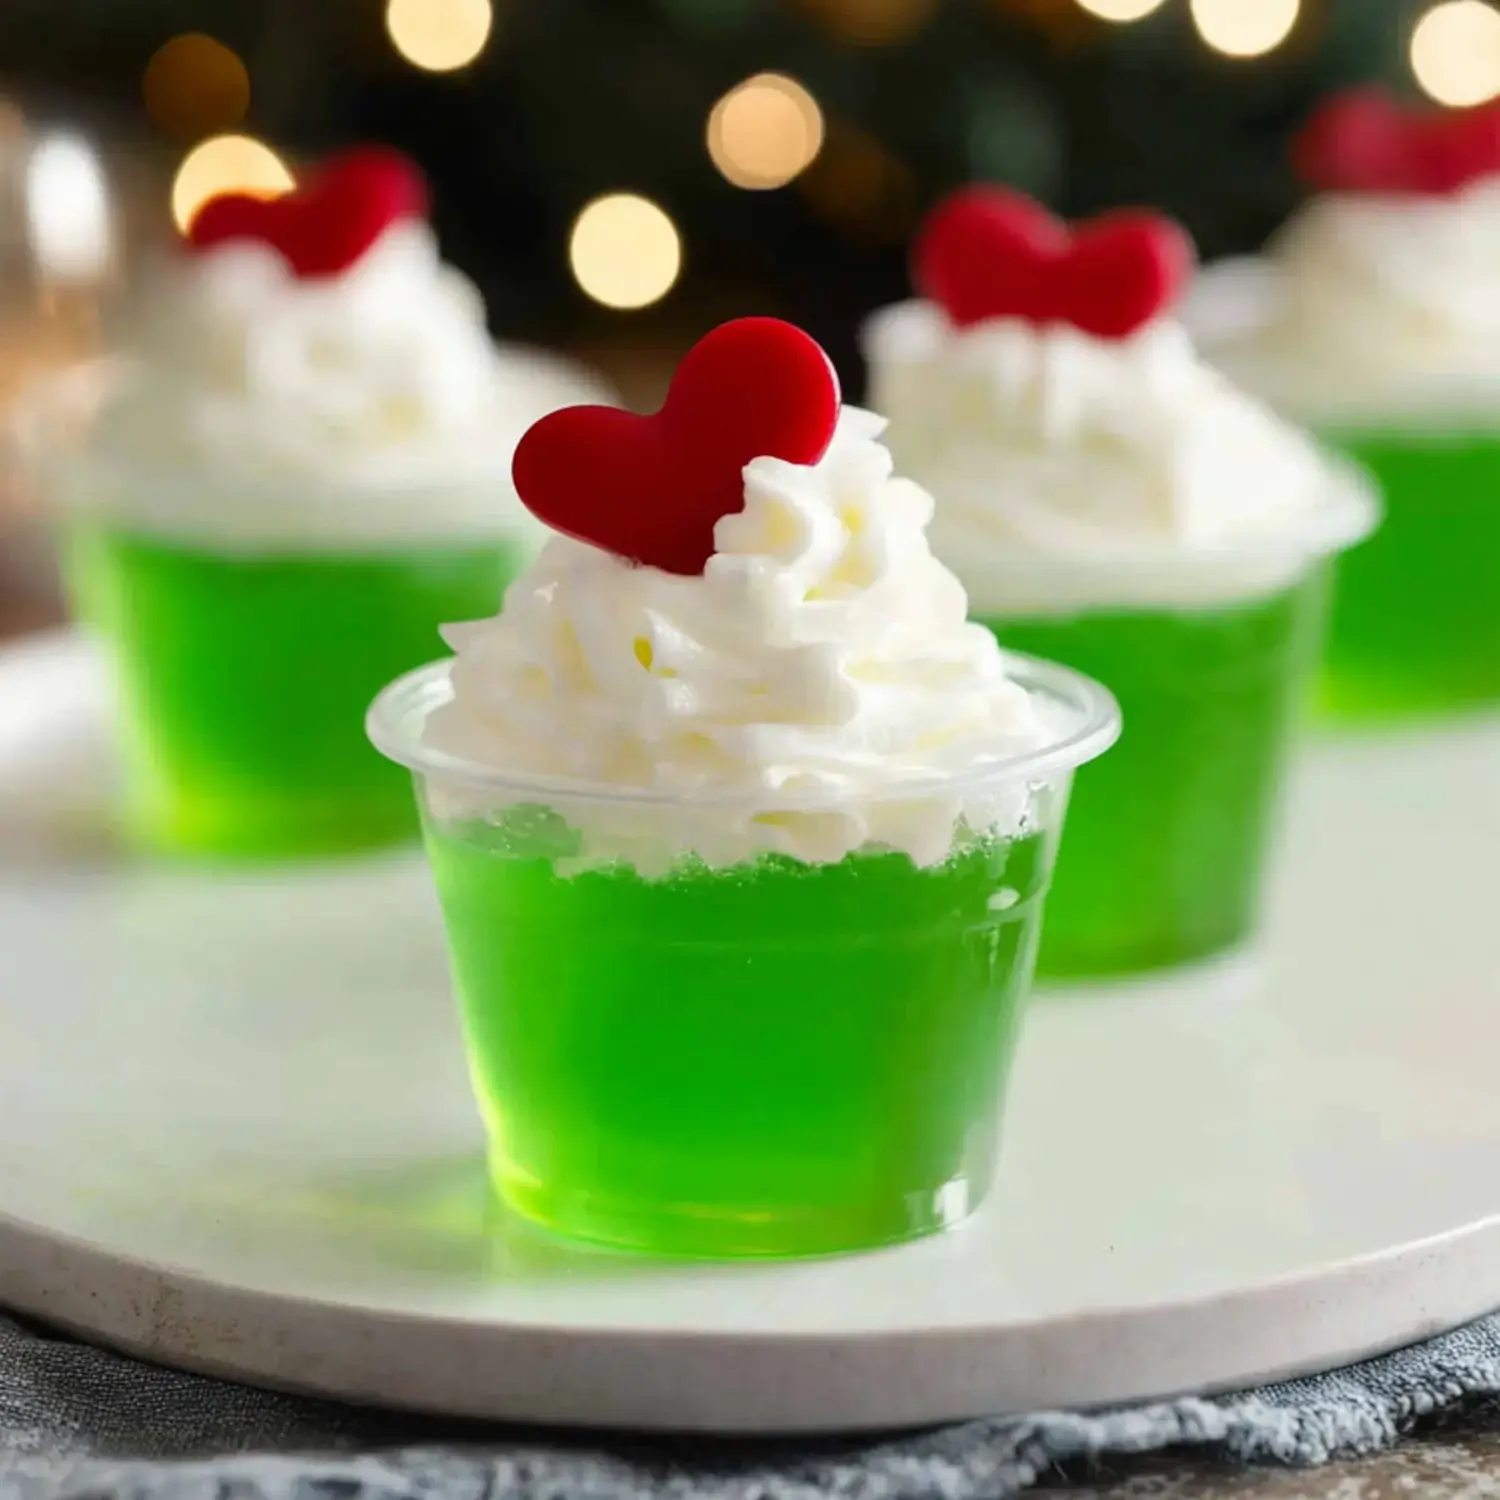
column 765, row 131
column 625, row 251
column 1120, row 10
column 195, row 86
column 1455, row 52
column 1245, row 28
column 226, row 164
column 439, row 35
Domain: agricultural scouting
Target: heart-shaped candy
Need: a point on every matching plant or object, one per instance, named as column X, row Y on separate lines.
column 327, row 224
column 1364, row 141
column 651, row 489
column 989, row 252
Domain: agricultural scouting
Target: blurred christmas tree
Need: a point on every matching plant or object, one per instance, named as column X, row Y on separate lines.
column 874, row 107
column 915, row 96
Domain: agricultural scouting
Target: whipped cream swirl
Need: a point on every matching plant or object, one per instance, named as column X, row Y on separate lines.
column 253, row 407
column 1367, row 309
column 782, row 699
column 1076, row 472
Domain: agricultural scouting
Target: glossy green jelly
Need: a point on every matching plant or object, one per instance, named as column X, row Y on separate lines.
column 243, row 682
column 776, row 1059
column 1167, row 834
column 1415, row 627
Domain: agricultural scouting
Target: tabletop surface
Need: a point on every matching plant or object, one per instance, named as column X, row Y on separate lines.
column 1457, row 1456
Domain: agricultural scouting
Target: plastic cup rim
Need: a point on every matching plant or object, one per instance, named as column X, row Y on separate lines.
column 395, row 720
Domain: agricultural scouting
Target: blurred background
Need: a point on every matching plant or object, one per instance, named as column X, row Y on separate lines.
column 619, row 175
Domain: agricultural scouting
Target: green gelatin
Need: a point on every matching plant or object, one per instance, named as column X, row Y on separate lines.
column 1415, row 626
column 772, row 1060
column 1167, row 834
column 243, row 682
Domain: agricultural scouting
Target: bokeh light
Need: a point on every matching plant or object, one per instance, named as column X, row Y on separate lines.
column 195, row 86
column 227, row 164
column 68, row 216
column 765, row 131
column 870, row 23
column 1245, row 28
column 860, row 188
column 1120, row 10
column 1455, row 52
column 439, row 35
column 625, row 251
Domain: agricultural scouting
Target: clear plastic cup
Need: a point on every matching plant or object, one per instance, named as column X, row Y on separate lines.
column 242, row 676
column 244, row 646
column 249, row 617
column 767, row 1057
column 1211, row 658
column 1415, row 627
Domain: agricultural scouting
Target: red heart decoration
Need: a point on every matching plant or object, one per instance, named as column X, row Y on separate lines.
column 988, row 252
column 651, row 489
column 328, row 223
column 1364, row 141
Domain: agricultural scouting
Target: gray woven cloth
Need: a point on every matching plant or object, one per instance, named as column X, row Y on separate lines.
column 78, row 1423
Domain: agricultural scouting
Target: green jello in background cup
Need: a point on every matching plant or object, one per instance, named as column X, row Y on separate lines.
column 1110, row 502
column 1415, row 628
column 1168, row 836
column 742, row 868
column 242, row 676
column 1373, row 318
column 291, row 475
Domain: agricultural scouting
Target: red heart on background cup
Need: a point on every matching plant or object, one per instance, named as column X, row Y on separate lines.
column 651, row 489
column 989, row 252
column 327, row 224
column 1364, row 141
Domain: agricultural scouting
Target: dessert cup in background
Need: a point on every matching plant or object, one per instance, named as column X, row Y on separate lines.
column 242, row 677
column 1373, row 317
column 1167, row 845
column 1415, row 626
column 1110, row 502
column 297, row 468
column 741, row 831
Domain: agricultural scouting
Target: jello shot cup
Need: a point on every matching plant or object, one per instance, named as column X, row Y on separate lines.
column 242, row 670
column 741, row 828
column 295, row 468
column 1415, row 624
column 1373, row 319
column 1414, row 621
column 1168, row 837
column 683, row 1052
column 1112, row 502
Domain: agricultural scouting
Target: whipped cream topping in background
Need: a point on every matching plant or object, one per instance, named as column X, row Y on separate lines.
column 250, row 406
column 1367, row 309
column 823, row 651
column 1073, row 472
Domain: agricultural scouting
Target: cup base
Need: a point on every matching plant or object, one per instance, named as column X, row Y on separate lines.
column 279, row 832
column 721, row 1232
column 1345, row 698
column 1081, row 964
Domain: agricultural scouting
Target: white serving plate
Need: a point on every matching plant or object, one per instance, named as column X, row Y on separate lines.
column 235, row 1135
